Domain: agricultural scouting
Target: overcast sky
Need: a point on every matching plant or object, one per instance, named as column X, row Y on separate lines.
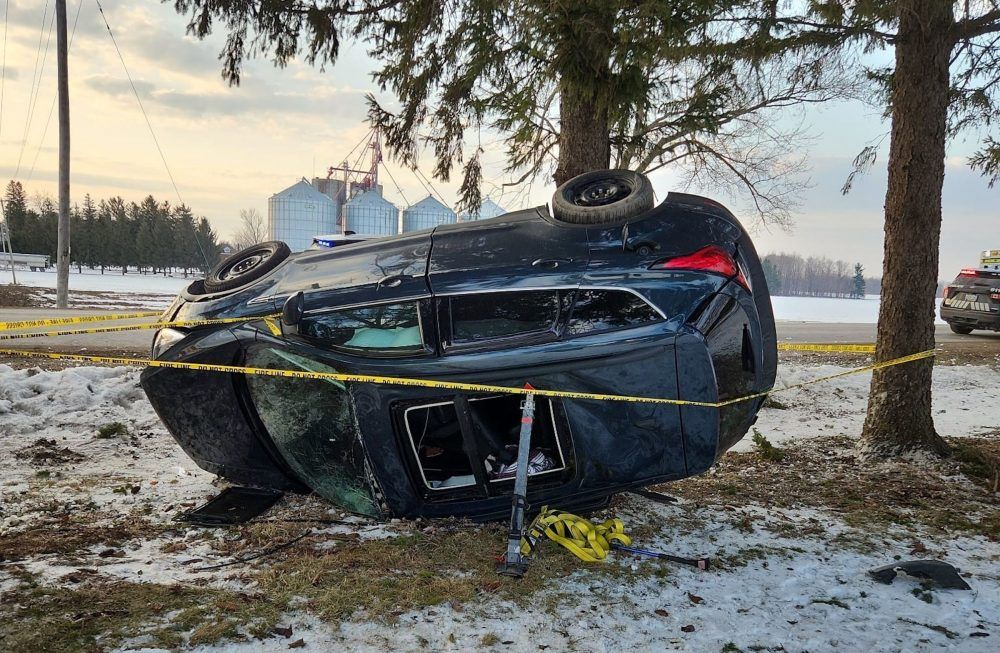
column 231, row 148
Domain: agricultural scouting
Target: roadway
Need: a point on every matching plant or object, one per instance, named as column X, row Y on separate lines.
column 138, row 342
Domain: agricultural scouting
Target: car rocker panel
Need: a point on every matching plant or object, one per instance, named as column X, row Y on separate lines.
column 666, row 301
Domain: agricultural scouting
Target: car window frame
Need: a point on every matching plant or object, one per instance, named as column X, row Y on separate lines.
column 564, row 332
column 442, row 306
column 425, row 324
column 442, row 312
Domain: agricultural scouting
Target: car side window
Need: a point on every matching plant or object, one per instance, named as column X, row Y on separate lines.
column 386, row 328
column 606, row 310
column 490, row 316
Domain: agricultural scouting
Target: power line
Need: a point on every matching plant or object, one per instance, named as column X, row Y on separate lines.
column 55, row 96
column 138, row 100
column 149, row 124
column 433, row 191
column 393, row 179
column 36, row 81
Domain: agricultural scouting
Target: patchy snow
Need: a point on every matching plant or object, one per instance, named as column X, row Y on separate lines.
column 779, row 589
column 833, row 309
column 966, row 402
column 110, row 281
column 68, row 407
column 778, row 593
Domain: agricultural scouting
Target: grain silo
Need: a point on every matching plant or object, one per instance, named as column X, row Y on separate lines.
column 370, row 214
column 426, row 214
column 298, row 213
column 488, row 209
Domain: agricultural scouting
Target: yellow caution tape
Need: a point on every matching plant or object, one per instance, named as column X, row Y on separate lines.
column 136, row 327
column 586, row 540
column 273, row 326
column 446, row 385
column 863, row 349
column 83, row 319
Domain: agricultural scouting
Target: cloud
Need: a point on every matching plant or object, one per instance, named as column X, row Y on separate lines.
column 117, row 87
column 256, row 99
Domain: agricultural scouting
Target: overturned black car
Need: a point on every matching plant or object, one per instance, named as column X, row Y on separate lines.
column 606, row 294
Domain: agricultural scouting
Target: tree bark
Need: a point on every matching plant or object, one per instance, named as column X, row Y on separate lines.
column 899, row 406
column 585, row 34
column 584, row 142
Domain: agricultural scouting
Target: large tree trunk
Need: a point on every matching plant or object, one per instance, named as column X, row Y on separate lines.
column 584, row 143
column 584, row 30
column 899, row 407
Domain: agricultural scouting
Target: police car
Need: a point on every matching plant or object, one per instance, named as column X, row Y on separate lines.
column 972, row 300
column 328, row 241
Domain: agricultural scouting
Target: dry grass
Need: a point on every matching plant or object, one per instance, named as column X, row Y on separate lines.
column 100, row 614
column 825, row 474
column 69, row 534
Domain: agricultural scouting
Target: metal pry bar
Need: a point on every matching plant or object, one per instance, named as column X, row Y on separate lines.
column 514, row 564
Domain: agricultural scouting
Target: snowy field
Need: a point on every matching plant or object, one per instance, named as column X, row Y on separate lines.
column 110, row 281
column 789, row 579
column 833, row 310
column 158, row 289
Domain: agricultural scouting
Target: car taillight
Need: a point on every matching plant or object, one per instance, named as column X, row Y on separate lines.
column 946, row 293
column 711, row 259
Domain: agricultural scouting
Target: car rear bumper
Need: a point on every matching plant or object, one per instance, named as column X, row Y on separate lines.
column 973, row 319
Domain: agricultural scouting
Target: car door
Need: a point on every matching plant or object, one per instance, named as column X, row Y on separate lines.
column 377, row 270
column 525, row 249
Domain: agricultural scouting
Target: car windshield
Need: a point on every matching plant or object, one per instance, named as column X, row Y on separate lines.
column 311, row 423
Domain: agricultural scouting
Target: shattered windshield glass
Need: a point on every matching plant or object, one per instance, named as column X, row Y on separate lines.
column 312, row 426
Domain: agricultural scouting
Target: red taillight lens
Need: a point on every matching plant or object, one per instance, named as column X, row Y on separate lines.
column 946, row 293
column 712, row 259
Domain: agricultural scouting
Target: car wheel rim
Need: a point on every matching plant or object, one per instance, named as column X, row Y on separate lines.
column 601, row 192
column 244, row 265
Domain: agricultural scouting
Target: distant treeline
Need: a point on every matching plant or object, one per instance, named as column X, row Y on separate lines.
column 149, row 236
column 795, row 275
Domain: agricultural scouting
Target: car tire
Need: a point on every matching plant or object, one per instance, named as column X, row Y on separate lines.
column 603, row 196
column 960, row 330
column 246, row 266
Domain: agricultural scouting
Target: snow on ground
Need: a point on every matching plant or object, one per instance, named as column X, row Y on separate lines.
column 805, row 596
column 786, row 590
column 833, row 309
column 110, row 281
column 965, row 402
column 66, row 408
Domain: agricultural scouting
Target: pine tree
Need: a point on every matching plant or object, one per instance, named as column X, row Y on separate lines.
column 944, row 82
column 570, row 86
column 85, row 235
column 208, row 241
column 858, row 290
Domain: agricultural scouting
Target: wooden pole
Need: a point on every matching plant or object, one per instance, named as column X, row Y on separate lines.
column 63, row 247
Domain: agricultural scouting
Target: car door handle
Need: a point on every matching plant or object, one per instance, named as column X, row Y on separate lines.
column 390, row 282
column 550, row 263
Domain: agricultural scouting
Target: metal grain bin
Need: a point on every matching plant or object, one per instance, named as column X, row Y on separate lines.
column 370, row 214
column 298, row 213
column 426, row 214
column 488, row 209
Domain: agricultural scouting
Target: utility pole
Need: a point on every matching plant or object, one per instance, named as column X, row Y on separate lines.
column 62, row 247
column 5, row 241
